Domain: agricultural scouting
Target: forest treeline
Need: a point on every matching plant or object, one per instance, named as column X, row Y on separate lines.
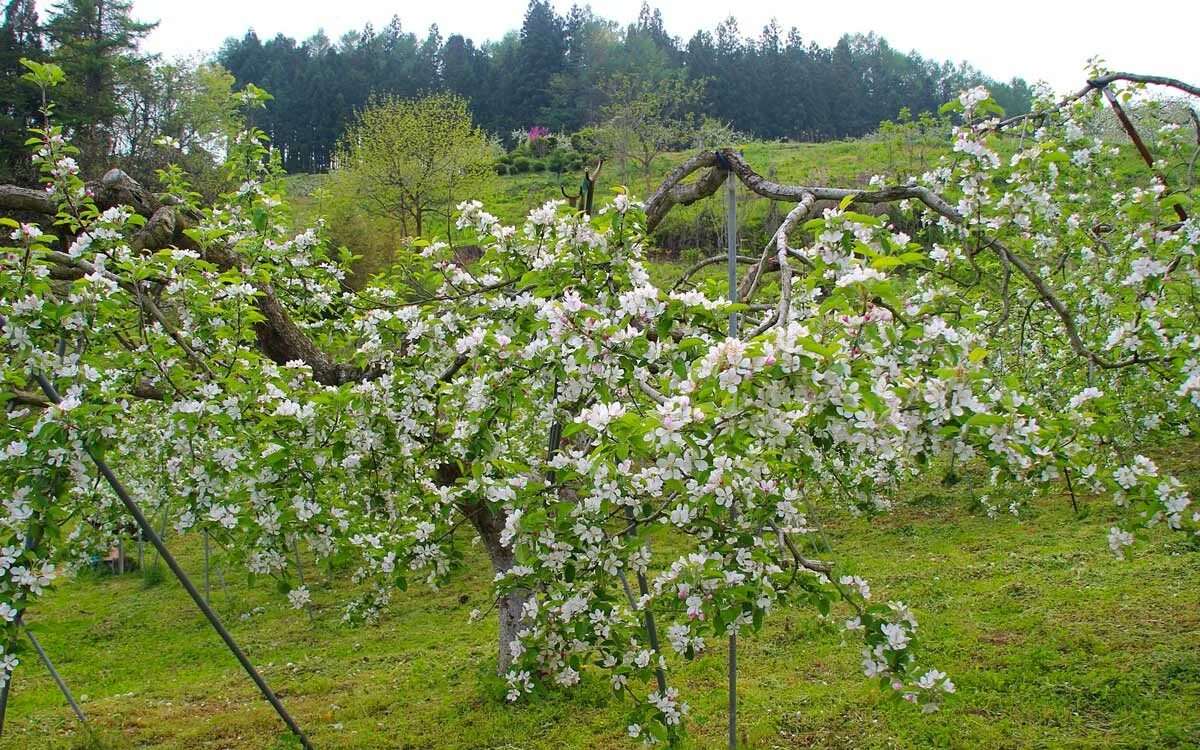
column 558, row 72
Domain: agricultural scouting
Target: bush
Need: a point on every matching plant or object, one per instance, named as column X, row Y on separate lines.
column 537, row 165
column 521, row 164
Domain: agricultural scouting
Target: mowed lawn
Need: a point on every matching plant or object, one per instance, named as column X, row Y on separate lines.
column 1051, row 641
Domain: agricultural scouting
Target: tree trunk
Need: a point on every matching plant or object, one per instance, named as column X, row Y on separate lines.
column 510, row 608
column 489, row 524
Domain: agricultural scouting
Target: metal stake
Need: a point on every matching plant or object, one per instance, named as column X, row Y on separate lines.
column 4, row 701
column 651, row 629
column 224, row 589
column 161, row 548
column 1127, row 124
column 207, row 587
column 300, row 575
column 58, row 680
column 731, row 241
column 162, row 534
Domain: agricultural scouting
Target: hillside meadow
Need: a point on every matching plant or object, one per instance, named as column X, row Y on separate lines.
column 687, row 233
column 1051, row 641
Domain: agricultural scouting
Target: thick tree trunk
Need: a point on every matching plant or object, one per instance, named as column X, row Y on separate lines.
column 489, row 524
column 510, row 609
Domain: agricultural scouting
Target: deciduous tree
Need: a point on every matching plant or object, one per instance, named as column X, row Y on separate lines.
column 408, row 157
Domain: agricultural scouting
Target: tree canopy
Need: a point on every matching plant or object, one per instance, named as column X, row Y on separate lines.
column 560, row 73
column 406, row 157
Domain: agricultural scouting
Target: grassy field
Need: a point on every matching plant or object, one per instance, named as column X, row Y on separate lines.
column 1052, row 642
column 686, row 231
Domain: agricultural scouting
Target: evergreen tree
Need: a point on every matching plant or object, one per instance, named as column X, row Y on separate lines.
column 20, row 38
column 543, row 55
column 562, row 72
column 96, row 44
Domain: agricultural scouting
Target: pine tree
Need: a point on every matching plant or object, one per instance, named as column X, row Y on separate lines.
column 20, row 38
column 543, row 55
column 96, row 43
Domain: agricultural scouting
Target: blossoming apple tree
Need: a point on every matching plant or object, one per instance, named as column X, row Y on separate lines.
column 580, row 420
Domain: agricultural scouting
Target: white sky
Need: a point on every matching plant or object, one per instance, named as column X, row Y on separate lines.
column 1035, row 39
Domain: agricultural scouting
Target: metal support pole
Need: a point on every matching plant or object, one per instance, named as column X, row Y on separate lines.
column 648, row 616
column 733, row 692
column 731, row 240
column 300, row 575
column 4, row 701
column 651, row 630
column 207, row 586
column 731, row 243
column 58, row 680
column 162, row 550
column 224, row 589
column 1138, row 143
column 162, row 534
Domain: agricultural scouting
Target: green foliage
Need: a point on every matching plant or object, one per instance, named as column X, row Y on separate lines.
column 645, row 118
column 407, row 158
column 862, row 395
column 96, row 43
column 178, row 113
column 561, row 72
column 20, row 39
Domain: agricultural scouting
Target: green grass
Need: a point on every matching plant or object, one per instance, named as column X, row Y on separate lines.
column 687, row 231
column 842, row 163
column 1051, row 641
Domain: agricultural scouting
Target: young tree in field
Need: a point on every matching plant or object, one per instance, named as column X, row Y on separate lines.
column 645, row 118
column 570, row 413
column 407, row 158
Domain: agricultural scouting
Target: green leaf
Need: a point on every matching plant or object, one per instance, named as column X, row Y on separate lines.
column 987, row 420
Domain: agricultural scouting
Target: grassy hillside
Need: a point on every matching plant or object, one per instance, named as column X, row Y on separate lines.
column 1052, row 642
column 686, row 230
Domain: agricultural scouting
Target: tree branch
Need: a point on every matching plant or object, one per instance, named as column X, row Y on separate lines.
column 670, row 192
column 278, row 335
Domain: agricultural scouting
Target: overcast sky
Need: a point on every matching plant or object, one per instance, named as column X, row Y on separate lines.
column 1035, row 39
